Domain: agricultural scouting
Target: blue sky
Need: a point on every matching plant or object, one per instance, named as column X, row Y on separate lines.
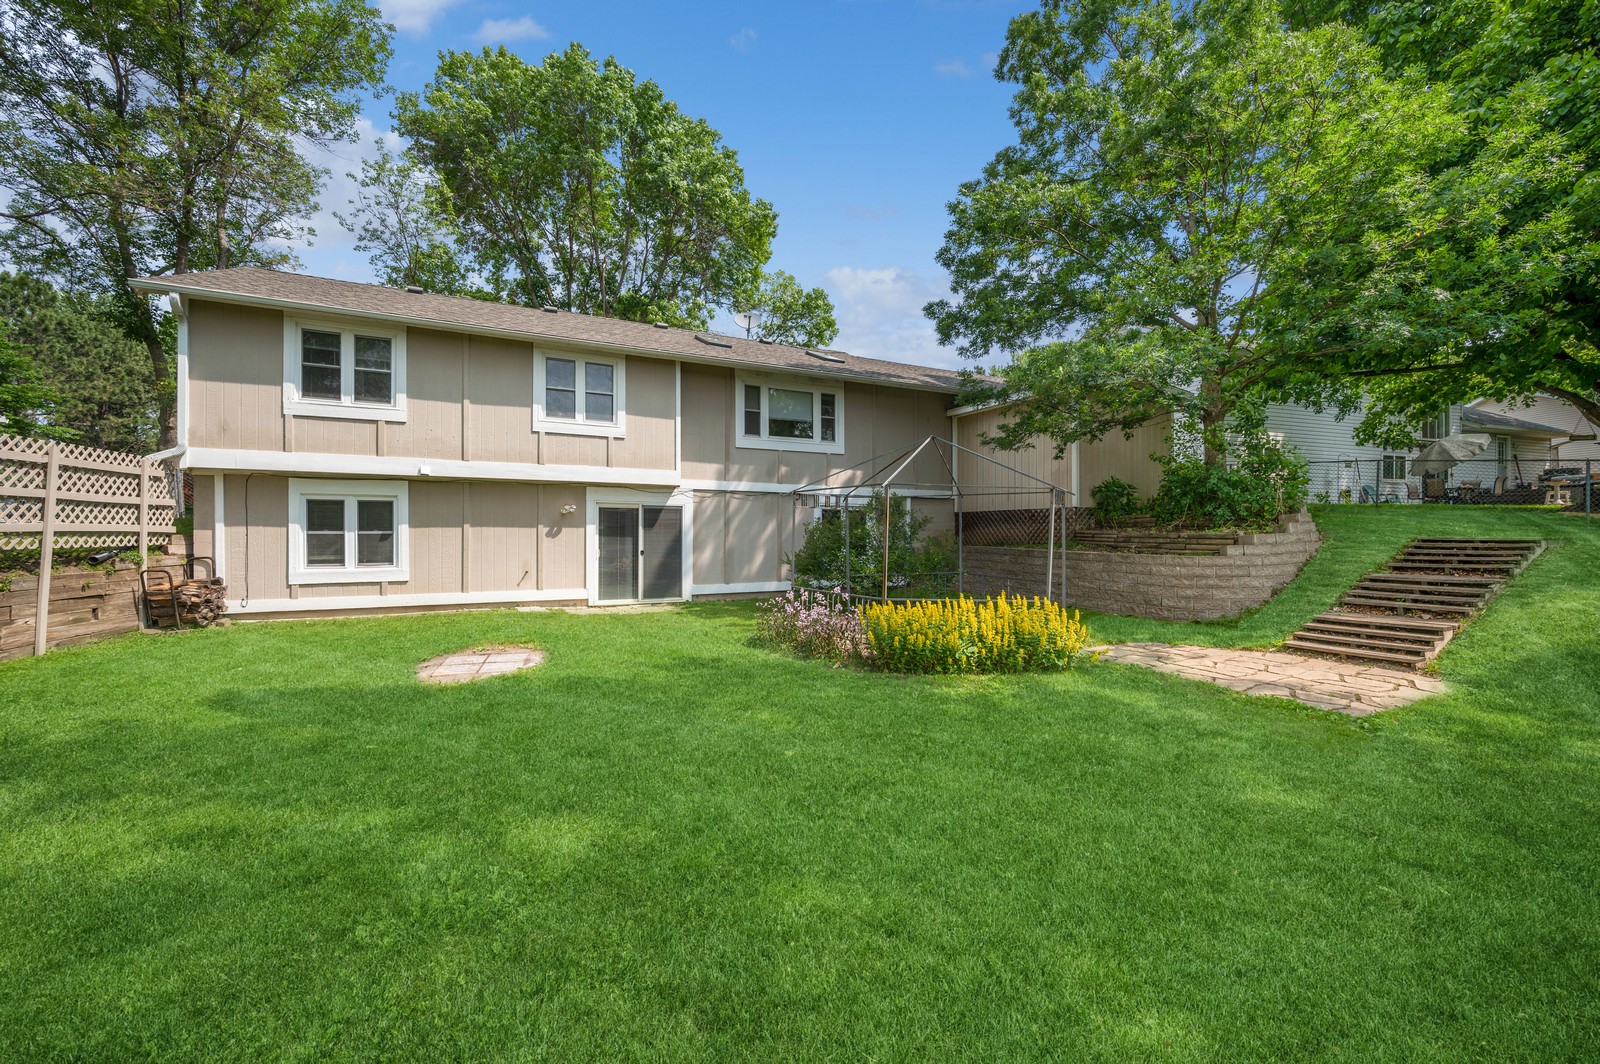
column 857, row 120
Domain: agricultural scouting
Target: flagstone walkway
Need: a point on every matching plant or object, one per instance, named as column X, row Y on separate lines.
column 1359, row 690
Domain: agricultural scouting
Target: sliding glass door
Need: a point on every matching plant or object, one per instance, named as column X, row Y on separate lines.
column 641, row 553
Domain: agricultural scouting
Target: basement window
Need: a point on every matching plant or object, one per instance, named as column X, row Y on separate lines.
column 348, row 531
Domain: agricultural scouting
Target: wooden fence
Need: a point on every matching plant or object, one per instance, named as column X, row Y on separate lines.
column 59, row 495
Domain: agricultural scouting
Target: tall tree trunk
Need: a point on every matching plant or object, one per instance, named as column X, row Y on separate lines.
column 1213, row 422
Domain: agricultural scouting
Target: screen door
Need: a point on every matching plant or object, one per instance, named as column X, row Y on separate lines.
column 641, row 553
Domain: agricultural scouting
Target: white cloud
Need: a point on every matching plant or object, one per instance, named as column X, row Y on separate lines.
column 506, row 30
column 880, row 315
column 953, row 68
column 331, row 252
column 413, row 16
column 744, row 40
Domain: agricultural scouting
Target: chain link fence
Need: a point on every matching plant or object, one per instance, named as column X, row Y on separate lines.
column 1482, row 481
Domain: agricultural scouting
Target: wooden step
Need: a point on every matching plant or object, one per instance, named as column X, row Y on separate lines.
column 1361, row 600
column 1363, row 639
column 1443, row 594
column 1409, row 582
column 1298, row 642
column 1369, row 620
column 1441, row 578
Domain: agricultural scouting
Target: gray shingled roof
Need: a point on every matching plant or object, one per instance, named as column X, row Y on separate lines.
column 250, row 284
column 1475, row 418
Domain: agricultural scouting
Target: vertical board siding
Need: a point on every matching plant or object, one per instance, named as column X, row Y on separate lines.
column 652, row 416
column 235, row 377
column 432, row 428
column 500, row 388
column 1113, row 456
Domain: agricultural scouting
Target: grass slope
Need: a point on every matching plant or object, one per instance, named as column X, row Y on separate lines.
column 665, row 845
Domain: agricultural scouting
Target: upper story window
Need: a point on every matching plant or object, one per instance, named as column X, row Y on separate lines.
column 578, row 394
column 1436, row 427
column 790, row 416
column 347, row 531
column 344, row 371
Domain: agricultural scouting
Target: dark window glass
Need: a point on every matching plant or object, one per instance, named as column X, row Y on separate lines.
column 752, row 410
column 561, row 388
column 599, row 395
column 325, row 532
column 788, row 414
column 319, row 365
column 375, row 532
column 830, row 417
column 374, row 370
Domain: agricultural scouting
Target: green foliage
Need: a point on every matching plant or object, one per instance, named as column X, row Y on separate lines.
column 791, row 314
column 155, row 137
column 1114, row 500
column 80, row 352
column 1201, row 196
column 1267, row 479
column 820, row 561
column 576, row 185
column 1526, row 78
column 403, row 219
column 27, row 407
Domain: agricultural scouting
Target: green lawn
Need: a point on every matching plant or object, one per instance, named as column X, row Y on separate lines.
column 665, row 845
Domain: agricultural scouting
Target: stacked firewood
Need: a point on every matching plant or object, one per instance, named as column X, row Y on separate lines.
column 201, row 602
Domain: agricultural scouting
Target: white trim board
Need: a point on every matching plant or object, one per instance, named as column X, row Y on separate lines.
column 756, row 587
column 365, row 465
column 435, row 598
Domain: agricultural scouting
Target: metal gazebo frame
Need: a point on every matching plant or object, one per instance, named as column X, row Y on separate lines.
column 891, row 474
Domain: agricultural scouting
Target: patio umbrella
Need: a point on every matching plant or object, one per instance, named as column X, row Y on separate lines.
column 1442, row 454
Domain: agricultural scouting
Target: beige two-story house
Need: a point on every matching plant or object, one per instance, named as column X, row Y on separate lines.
column 355, row 447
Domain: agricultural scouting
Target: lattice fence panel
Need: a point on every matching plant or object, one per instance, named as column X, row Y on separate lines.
column 97, row 497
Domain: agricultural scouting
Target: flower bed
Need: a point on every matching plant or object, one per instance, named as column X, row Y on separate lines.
column 941, row 636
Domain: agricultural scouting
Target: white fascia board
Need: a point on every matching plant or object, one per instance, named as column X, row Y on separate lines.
column 222, row 459
column 274, row 303
column 376, row 602
column 775, row 488
column 760, row 587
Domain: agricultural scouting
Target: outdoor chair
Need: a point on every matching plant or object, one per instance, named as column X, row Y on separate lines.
column 1412, row 494
column 1499, row 486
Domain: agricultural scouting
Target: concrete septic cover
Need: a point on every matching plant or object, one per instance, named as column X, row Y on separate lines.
column 466, row 665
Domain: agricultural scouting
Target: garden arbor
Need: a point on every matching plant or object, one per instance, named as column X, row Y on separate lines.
column 949, row 496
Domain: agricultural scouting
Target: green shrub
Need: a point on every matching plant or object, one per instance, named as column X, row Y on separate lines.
column 913, row 558
column 1115, row 500
column 1267, row 479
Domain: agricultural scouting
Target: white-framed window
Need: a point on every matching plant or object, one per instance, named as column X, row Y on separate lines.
column 579, row 394
column 789, row 415
column 1394, row 467
column 1436, row 427
column 344, row 370
column 349, row 531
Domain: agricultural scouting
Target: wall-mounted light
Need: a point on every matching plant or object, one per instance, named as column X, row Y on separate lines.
column 570, row 508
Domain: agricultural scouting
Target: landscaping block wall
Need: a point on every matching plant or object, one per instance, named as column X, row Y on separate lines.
column 1176, row 587
column 85, row 604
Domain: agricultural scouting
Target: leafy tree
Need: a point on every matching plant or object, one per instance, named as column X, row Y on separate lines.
column 1525, row 69
column 161, row 136
column 1204, row 206
column 404, row 220
column 99, row 378
column 578, row 186
column 27, row 407
column 792, row 314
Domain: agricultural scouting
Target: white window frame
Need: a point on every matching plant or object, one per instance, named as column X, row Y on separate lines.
column 579, row 425
column 396, row 491
column 1386, row 460
column 768, row 443
column 346, row 406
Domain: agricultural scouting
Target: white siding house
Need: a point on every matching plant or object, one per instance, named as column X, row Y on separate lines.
column 1558, row 414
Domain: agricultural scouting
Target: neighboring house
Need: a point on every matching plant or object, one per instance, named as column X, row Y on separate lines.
column 356, row 447
column 1559, row 415
column 1341, row 468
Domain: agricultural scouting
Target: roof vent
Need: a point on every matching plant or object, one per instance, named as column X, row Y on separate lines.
column 825, row 356
column 415, row 290
column 764, row 340
column 714, row 341
column 662, row 325
column 548, row 309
